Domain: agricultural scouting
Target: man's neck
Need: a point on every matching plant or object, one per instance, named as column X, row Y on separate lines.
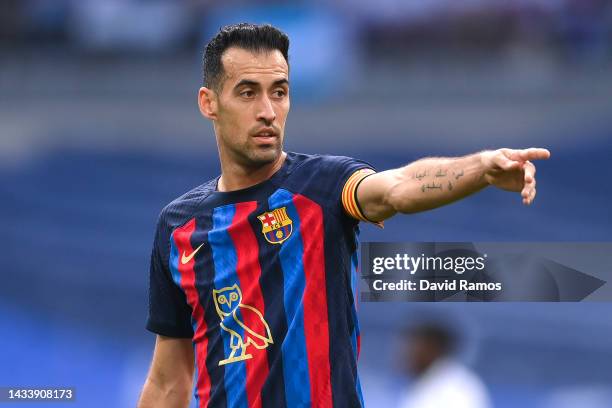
column 236, row 177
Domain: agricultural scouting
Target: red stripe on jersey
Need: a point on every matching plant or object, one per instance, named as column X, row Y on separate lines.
column 316, row 325
column 249, row 272
column 182, row 240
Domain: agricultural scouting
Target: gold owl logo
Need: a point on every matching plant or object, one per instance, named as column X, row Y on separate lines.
column 276, row 225
column 228, row 302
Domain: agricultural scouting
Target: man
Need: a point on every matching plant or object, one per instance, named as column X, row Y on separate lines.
column 253, row 272
column 440, row 380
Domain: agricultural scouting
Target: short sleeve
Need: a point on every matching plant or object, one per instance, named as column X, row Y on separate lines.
column 347, row 174
column 349, row 194
column 169, row 313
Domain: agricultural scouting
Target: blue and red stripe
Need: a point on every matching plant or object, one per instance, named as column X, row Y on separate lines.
column 356, row 335
column 316, row 325
column 295, row 366
column 249, row 274
column 226, row 260
column 184, row 276
column 303, row 262
column 273, row 393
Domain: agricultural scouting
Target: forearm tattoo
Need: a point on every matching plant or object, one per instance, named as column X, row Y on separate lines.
column 439, row 179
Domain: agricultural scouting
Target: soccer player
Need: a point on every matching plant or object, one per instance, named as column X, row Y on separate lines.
column 253, row 273
column 439, row 379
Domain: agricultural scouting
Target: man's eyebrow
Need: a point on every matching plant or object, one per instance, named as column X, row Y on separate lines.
column 283, row 81
column 247, row 82
column 250, row 82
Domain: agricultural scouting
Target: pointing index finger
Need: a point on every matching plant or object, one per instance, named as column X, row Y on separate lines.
column 533, row 153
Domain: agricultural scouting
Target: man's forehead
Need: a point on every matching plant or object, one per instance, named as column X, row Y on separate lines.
column 239, row 62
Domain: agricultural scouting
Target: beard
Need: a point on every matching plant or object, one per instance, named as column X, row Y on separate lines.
column 254, row 155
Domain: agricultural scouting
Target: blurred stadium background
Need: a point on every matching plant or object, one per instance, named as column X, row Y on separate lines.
column 99, row 129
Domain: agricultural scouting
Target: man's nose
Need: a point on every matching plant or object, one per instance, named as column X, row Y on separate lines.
column 266, row 111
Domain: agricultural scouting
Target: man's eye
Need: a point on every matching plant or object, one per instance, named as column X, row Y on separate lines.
column 247, row 94
column 280, row 93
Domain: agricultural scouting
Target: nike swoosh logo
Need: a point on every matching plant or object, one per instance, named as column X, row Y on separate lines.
column 186, row 258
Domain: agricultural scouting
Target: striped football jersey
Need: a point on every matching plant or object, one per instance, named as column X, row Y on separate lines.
column 264, row 282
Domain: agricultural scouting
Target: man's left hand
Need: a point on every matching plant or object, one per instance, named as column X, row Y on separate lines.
column 512, row 170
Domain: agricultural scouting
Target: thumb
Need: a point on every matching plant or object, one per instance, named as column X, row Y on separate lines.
column 505, row 163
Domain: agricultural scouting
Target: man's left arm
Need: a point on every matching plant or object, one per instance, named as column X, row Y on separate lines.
column 432, row 182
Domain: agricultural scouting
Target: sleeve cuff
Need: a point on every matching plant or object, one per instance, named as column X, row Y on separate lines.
column 168, row 330
column 349, row 196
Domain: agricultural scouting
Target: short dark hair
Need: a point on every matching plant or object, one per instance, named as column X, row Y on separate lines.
column 252, row 37
column 441, row 337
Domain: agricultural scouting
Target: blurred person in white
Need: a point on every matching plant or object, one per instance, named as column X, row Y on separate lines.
column 440, row 379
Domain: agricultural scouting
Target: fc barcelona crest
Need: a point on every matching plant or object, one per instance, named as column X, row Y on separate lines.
column 276, row 225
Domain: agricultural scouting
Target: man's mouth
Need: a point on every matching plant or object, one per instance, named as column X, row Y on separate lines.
column 266, row 135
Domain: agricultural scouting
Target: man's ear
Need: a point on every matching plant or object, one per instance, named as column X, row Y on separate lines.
column 207, row 101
